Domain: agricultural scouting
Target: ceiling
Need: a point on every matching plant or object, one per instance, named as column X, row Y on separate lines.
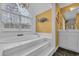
column 63, row 4
column 70, row 15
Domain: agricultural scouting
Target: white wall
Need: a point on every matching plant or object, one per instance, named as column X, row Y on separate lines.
column 36, row 8
column 69, row 39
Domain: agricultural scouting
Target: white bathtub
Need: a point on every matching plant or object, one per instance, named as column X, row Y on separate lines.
column 8, row 40
column 12, row 37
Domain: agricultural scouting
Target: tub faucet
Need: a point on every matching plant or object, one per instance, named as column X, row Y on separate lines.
column 19, row 34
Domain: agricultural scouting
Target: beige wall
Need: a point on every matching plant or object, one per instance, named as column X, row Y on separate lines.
column 37, row 8
column 44, row 27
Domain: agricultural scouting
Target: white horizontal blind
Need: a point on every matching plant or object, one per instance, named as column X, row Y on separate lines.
column 11, row 18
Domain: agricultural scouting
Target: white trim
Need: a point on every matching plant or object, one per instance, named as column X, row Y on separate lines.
column 53, row 51
column 11, row 45
column 36, row 48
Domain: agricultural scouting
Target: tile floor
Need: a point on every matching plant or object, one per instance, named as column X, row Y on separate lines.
column 64, row 52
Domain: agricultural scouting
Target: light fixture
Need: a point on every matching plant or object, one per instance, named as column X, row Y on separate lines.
column 71, row 9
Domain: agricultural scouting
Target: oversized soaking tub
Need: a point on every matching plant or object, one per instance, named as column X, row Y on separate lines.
column 12, row 39
column 21, row 43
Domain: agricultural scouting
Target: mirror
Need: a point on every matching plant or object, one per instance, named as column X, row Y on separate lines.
column 43, row 19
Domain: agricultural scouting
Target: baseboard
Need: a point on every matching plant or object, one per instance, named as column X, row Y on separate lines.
column 74, row 50
column 53, row 51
